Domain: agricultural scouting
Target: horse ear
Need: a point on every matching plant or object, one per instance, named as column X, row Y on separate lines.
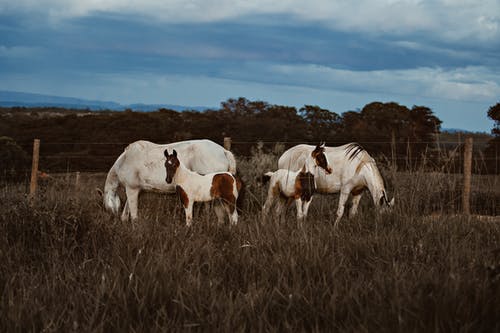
column 165, row 153
column 323, row 144
column 391, row 203
column 174, row 153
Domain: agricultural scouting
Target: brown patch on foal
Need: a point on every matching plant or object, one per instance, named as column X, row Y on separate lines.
column 182, row 196
column 304, row 186
column 222, row 188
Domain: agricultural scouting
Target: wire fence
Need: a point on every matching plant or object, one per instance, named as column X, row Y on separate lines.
column 254, row 141
column 66, row 162
column 443, row 156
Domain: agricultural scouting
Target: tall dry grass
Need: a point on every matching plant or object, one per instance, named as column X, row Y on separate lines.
column 66, row 265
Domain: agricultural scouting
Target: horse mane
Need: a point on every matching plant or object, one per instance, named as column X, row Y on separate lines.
column 353, row 149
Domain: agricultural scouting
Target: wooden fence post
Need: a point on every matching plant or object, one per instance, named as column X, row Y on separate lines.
column 34, row 168
column 467, row 175
column 393, row 150
column 227, row 142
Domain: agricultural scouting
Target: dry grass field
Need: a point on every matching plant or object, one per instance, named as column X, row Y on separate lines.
column 67, row 265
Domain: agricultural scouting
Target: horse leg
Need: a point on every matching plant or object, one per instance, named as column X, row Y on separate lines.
column 305, row 208
column 300, row 214
column 132, row 201
column 126, row 212
column 355, row 204
column 340, row 210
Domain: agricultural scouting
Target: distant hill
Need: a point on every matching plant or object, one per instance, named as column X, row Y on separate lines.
column 455, row 130
column 14, row 98
column 451, row 136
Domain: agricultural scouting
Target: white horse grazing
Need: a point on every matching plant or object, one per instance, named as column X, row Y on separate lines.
column 286, row 185
column 141, row 167
column 193, row 187
column 354, row 170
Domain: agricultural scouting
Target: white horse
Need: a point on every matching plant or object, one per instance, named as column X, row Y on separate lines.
column 286, row 185
column 141, row 167
column 354, row 170
column 193, row 187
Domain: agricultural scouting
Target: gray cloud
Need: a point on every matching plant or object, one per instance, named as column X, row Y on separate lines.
column 462, row 84
column 340, row 54
column 445, row 19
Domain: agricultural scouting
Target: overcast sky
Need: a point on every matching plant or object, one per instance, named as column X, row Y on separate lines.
column 340, row 55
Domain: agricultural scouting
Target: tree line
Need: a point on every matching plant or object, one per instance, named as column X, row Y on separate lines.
column 85, row 140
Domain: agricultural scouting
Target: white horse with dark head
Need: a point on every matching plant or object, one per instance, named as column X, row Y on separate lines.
column 353, row 171
column 142, row 167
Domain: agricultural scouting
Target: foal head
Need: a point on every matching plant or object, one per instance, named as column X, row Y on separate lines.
column 171, row 164
column 320, row 158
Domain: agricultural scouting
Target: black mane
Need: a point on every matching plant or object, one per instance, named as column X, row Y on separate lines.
column 353, row 150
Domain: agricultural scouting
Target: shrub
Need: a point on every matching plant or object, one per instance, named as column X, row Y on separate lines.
column 14, row 161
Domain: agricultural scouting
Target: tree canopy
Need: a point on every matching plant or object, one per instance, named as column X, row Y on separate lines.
column 492, row 151
column 79, row 139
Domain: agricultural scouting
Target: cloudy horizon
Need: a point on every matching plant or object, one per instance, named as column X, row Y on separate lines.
column 339, row 55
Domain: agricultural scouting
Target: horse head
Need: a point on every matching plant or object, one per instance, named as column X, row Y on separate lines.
column 320, row 158
column 384, row 202
column 171, row 165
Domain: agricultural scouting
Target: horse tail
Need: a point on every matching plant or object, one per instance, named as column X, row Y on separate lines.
column 231, row 160
column 266, row 177
column 110, row 197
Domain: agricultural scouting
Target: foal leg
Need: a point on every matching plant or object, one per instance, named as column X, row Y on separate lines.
column 280, row 207
column 219, row 211
column 300, row 213
column 189, row 213
column 268, row 204
column 132, row 201
column 355, row 204
column 305, row 208
column 232, row 212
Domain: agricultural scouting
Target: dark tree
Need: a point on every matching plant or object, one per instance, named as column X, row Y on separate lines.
column 322, row 124
column 492, row 151
column 389, row 127
column 494, row 114
column 242, row 106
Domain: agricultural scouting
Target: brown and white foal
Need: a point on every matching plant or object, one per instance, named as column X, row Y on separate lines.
column 286, row 185
column 193, row 187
